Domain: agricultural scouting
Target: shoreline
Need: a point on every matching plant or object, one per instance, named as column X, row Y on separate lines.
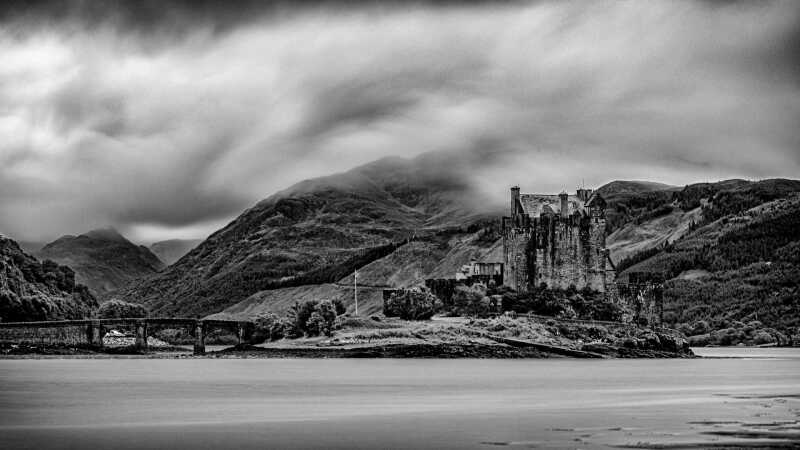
column 374, row 351
column 445, row 338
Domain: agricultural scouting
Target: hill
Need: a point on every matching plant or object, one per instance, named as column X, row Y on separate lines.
column 172, row 250
column 639, row 222
column 434, row 256
column 103, row 260
column 33, row 290
column 623, row 187
column 739, row 268
column 318, row 231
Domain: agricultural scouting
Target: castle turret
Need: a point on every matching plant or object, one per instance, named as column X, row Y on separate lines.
column 564, row 204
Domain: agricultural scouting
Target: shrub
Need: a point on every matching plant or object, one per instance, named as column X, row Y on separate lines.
column 270, row 327
column 413, row 304
column 317, row 325
column 117, row 309
column 471, row 300
column 762, row 337
column 313, row 318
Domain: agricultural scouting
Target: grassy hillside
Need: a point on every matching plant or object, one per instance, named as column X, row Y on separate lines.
column 747, row 265
column 620, row 188
column 641, row 221
column 316, row 232
column 103, row 260
column 633, row 238
column 434, row 256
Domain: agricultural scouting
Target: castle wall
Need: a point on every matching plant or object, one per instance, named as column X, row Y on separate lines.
column 568, row 251
column 555, row 250
column 515, row 271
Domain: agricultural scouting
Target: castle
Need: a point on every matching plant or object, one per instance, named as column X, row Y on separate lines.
column 556, row 240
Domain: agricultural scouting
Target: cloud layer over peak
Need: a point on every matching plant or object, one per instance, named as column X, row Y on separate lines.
column 174, row 125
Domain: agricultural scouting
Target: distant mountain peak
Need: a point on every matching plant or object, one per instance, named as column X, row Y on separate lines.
column 103, row 259
column 633, row 187
column 106, row 234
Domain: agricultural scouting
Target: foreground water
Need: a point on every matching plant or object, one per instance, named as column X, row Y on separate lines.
column 300, row 403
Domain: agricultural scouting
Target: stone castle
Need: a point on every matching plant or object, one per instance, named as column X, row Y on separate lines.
column 556, row 240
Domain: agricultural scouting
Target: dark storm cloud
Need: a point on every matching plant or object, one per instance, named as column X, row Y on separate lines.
column 167, row 119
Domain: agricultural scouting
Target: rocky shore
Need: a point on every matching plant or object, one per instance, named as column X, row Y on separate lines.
column 500, row 337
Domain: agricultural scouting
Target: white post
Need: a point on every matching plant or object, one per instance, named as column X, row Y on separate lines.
column 355, row 288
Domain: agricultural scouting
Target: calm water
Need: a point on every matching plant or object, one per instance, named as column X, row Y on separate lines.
column 297, row 403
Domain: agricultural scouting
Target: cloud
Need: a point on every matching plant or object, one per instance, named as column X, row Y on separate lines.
column 163, row 123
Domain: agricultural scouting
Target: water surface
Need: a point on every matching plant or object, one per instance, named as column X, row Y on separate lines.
column 338, row 403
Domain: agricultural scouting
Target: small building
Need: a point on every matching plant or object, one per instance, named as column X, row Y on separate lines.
column 482, row 272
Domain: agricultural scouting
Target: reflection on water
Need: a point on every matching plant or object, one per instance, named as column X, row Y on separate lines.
column 295, row 403
column 747, row 352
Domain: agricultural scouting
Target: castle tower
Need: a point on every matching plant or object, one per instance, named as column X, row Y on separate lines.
column 563, row 196
column 514, row 201
column 558, row 240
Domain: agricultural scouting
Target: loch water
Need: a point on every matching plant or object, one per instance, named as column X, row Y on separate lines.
column 736, row 396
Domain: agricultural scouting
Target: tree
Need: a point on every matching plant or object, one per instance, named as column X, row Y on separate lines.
column 471, row 300
column 270, row 327
column 117, row 309
column 412, row 304
column 313, row 318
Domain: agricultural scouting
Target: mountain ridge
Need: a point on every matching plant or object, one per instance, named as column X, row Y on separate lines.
column 335, row 222
column 102, row 259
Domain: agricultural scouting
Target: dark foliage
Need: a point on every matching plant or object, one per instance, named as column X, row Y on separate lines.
column 313, row 318
column 30, row 290
column 472, row 301
column 116, row 309
column 412, row 304
column 584, row 304
column 766, row 292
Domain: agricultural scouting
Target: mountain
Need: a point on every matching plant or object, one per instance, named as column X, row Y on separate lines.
column 433, row 256
column 400, row 221
column 639, row 222
column 735, row 264
column 318, row 231
column 172, row 250
column 102, row 259
column 623, row 187
column 30, row 247
column 33, row 290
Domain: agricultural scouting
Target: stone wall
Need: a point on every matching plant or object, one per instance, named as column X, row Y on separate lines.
column 67, row 335
column 556, row 251
column 515, row 268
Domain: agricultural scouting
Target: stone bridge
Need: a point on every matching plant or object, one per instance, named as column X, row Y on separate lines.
column 91, row 331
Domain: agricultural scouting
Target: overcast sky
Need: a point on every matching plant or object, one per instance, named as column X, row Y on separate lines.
column 169, row 122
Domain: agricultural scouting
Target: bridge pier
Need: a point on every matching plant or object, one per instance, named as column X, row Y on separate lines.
column 199, row 338
column 141, row 336
column 240, row 332
column 94, row 333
